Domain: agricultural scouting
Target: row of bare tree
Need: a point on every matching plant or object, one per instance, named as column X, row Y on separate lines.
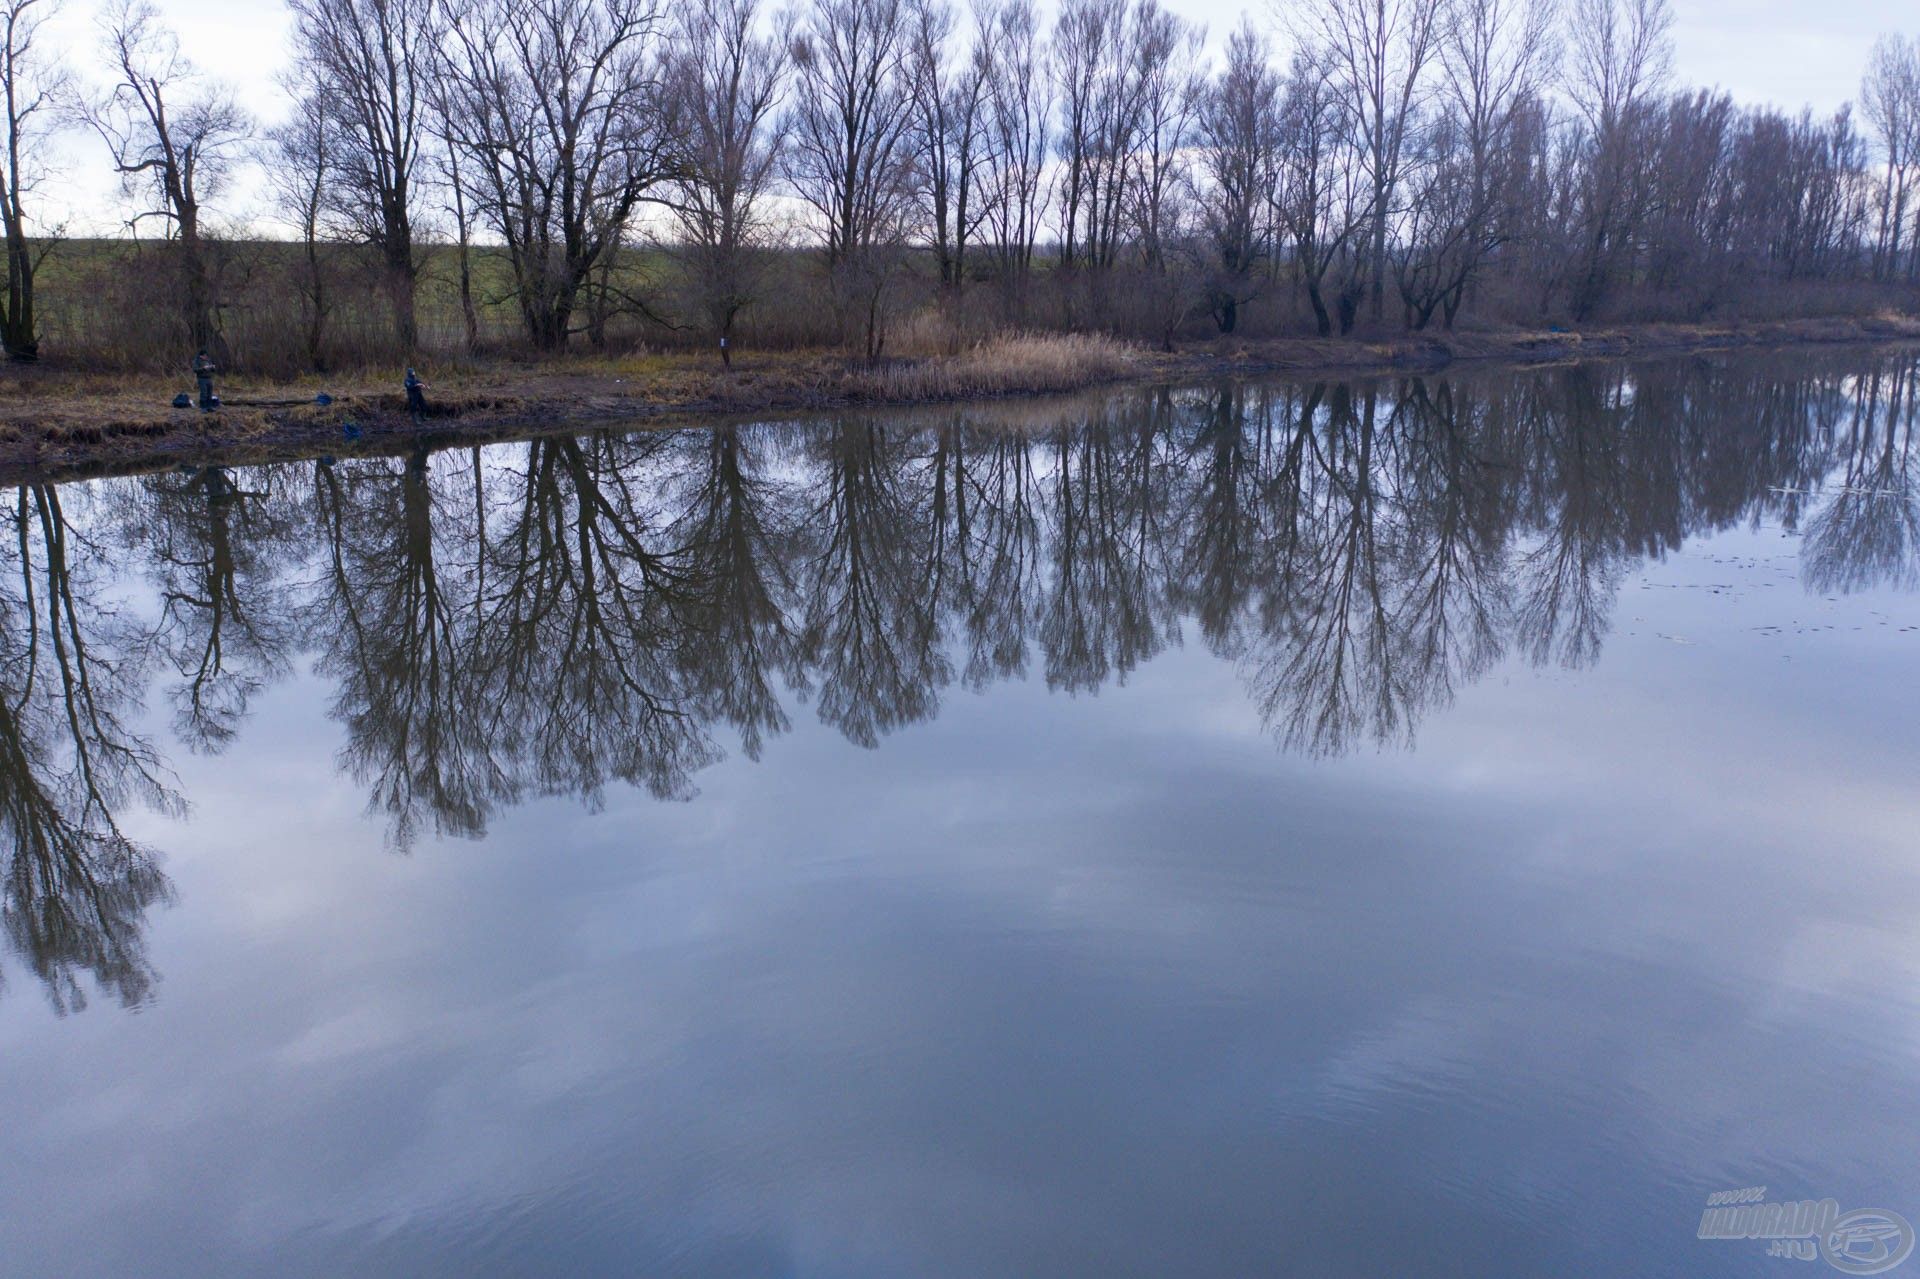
column 1405, row 160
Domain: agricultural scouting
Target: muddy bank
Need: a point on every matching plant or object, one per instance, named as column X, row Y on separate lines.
column 56, row 425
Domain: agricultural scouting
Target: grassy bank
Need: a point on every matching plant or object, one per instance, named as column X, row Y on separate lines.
column 57, row 422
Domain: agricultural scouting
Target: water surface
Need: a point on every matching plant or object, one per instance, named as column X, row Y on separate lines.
column 1445, row 826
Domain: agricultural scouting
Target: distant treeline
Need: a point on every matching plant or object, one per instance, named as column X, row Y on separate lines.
column 888, row 173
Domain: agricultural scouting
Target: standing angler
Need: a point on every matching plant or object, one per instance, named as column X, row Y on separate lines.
column 203, row 371
column 416, row 399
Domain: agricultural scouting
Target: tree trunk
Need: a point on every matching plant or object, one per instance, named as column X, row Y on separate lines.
column 317, row 300
column 16, row 322
column 1321, row 319
column 401, row 290
column 468, row 316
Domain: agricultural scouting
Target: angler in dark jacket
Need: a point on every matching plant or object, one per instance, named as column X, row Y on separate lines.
column 416, row 399
column 203, row 371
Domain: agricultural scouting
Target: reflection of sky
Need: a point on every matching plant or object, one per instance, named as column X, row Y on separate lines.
column 1051, row 985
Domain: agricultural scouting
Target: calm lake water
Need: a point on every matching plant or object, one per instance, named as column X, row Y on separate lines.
column 1424, row 827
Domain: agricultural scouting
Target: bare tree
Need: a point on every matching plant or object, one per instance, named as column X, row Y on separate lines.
column 300, row 165
column 1020, row 111
column 1890, row 100
column 950, row 130
column 1238, row 129
column 1378, row 52
column 459, row 204
column 1096, row 126
column 172, row 140
column 1815, row 194
column 30, row 89
column 558, row 110
column 848, row 157
column 1128, row 84
column 1079, row 39
column 455, row 193
column 369, row 60
column 728, row 80
column 1496, row 57
column 1446, row 224
column 1166, row 86
column 1321, row 200
column 1621, row 53
column 1620, row 56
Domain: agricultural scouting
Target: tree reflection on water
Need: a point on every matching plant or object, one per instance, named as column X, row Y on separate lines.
column 552, row 616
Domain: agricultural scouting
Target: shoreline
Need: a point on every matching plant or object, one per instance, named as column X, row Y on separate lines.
column 123, row 425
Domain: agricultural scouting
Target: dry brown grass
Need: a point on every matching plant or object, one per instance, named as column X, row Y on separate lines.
column 58, row 417
column 1016, row 364
column 63, row 421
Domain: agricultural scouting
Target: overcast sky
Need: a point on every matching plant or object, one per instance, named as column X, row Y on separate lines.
column 1788, row 52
